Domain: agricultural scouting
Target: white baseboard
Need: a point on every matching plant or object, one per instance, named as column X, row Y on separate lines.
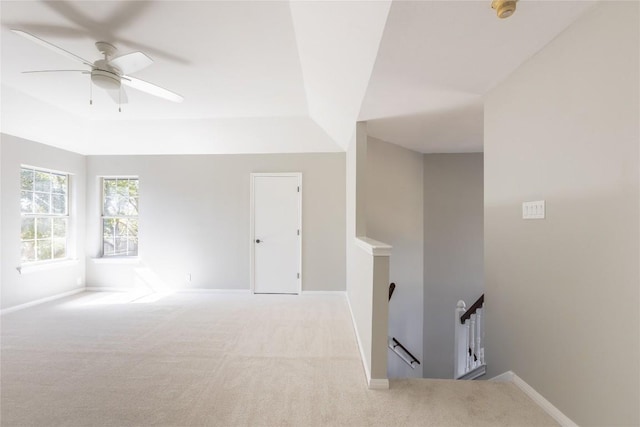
column 474, row 373
column 323, row 292
column 506, row 377
column 355, row 327
column 40, row 301
column 215, row 291
column 378, row 384
column 183, row 290
column 373, row 383
column 547, row 406
column 107, row 289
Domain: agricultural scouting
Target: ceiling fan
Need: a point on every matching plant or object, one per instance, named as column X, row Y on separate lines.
column 111, row 72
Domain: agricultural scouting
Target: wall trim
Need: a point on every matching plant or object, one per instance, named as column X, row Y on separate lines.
column 547, row 406
column 324, row 292
column 41, row 301
column 373, row 247
column 184, row 290
column 214, row 291
column 355, row 328
column 505, row 377
column 378, row 384
column 47, row 265
column 372, row 383
column 107, row 289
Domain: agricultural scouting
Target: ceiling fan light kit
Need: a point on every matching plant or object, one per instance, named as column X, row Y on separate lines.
column 106, row 76
column 110, row 73
column 504, row 8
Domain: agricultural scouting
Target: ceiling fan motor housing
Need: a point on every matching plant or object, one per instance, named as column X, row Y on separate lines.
column 105, row 76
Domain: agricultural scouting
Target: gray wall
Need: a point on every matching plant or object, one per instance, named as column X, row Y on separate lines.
column 453, row 250
column 395, row 216
column 562, row 293
column 430, row 209
column 194, row 218
column 19, row 288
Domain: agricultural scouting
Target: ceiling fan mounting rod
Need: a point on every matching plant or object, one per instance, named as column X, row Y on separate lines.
column 107, row 49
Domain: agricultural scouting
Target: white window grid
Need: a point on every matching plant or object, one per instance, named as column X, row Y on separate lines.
column 44, row 205
column 124, row 240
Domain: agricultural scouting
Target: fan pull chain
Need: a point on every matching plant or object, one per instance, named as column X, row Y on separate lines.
column 120, row 99
column 90, row 92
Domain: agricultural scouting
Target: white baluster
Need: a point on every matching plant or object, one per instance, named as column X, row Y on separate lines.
column 482, row 337
column 479, row 329
column 460, row 342
column 472, row 342
column 466, row 346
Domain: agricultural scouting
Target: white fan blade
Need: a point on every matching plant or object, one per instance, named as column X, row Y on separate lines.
column 151, row 89
column 53, row 47
column 131, row 62
column 56, row 71
column 119, row 96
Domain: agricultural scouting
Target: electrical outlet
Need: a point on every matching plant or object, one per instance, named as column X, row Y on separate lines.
column 188, row 277
column 533, row 210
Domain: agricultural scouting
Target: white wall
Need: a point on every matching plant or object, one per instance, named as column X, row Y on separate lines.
column 453, row 250
column 562, row 293
column 367, row 267
column 19, row 288
column 194, row 218
column 354, row 224
column 395, row 216
column 359, row 265
column 367, row 294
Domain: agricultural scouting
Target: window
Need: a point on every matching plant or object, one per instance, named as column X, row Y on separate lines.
column 119, row 217
column 44, row 203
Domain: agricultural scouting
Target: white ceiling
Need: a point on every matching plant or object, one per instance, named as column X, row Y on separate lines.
column 269, row 76
column 438, row 58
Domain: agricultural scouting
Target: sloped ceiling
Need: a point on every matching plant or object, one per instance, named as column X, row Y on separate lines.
column 438, row 59
column 268, row 76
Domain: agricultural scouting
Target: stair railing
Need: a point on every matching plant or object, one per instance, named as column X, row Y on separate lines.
column 395, row 346
column 469, row 362
column 403, row 353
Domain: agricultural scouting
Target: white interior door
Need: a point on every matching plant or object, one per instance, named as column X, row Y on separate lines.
column 276, row 233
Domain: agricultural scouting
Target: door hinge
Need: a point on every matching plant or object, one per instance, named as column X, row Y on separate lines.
column 298, row 275
column 298, row 232
column 298, row 189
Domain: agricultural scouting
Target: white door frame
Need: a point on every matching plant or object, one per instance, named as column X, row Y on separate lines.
column 252, row 226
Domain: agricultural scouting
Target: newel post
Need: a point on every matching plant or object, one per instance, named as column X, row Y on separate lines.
column 460, row 342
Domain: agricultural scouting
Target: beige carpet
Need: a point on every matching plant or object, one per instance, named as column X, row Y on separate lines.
column 107, row 359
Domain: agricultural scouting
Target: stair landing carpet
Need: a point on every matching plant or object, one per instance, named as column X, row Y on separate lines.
column 205, row 359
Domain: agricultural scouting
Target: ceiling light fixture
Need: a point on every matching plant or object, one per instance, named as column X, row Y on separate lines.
column 504, row 8
column 109, row 73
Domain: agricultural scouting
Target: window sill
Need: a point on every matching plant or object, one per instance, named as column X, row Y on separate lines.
column 32, row 268
column 116, row 260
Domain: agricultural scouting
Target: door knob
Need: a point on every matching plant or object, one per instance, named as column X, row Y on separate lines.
column 258, row 240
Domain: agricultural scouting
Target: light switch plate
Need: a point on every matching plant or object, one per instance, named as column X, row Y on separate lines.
column 533, row 210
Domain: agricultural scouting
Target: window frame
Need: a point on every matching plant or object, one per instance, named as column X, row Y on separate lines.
column 104, row 256
column 51, row 216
